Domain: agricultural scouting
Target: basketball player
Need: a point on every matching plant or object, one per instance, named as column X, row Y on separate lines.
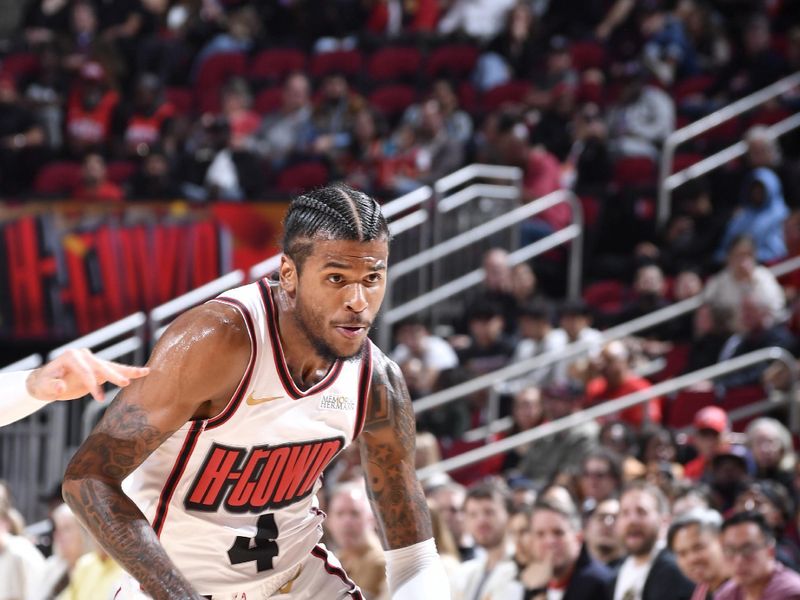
column 249, row 397
column 73, row 374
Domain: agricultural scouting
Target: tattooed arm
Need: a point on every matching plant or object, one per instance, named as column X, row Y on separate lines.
column 186, row 380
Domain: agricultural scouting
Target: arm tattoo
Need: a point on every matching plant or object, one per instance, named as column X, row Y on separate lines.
column 388, row 457
column 121, row 440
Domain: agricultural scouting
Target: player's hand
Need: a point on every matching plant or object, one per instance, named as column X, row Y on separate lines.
column 78, row 372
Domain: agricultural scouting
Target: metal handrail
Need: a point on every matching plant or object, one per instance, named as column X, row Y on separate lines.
column 476, row 190
column 134, row 324
column 627, row 401
column 465, row 174
column 709, row 122
column 24, row 364
column 710, row 163
column 160, row 314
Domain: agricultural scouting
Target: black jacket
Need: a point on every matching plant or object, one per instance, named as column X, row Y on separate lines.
column 590, row 580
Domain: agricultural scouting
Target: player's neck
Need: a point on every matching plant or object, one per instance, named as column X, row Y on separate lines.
column 305, row 365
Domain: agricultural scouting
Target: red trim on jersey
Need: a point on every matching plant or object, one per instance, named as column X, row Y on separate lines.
column 175, row 475
column 236, row 399
column 280, row 360
column 322, row 554
column 364, row 383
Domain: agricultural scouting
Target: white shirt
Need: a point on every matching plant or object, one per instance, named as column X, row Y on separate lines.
column 21, row 567
column 723, row 290
column 437, row 354
column 633, row 575
column 15, row 401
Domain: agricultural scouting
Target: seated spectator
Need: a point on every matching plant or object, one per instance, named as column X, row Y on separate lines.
column 688, row 495
column 421, row 356
column 706, row 34
column 288, row 130
column 620, row 437
column 743, row 277
column 537, row 337
column 154, row 179
column 440, row 152
column 711, row 435
column 514, row 53
column 649, row 295
column 748, row 545
column 237, row 108
column 142, row 122
column 518, row 530
column 95, row 185
column 771, row 445
column 668, row 50
column 525, row 285
column 445, row 544
column 694, row 539
column 764, row 151
column 600, row 477
column 760, row 217
column 486, row 517
column 565, row 450
column 615, row 380
column 334, row 115
column 730, row 473
column 242, row 28
column 44, row 20
column 649, row 572
column 448, row 499
column 70, row 542
column 576, row 327
column 20, row 135
column 96, row 575
column 481, row 19
column 362, row 165
column 46, row 96
column 527, row 413
column 713, row 326
column 557, row 76
column 90, row 110
column 352, row 529
column 589, row 162
column 457, row 123
column 21, row 564
column 600, row 534
column 496, row 287
column 642, row 118
column 488, row 348
column 552, row 129
column 659, row 453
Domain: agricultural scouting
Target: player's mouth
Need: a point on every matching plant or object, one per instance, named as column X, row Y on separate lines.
column 351, row 331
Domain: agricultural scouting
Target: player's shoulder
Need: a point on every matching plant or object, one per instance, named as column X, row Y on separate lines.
column 383, row 368
column 217, row 323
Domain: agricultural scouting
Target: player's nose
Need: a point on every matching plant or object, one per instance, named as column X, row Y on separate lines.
column 356, row 299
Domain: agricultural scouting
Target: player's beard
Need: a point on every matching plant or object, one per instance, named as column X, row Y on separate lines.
column 311, row 323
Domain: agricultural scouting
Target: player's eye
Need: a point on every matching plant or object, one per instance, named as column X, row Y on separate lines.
column 335, row 278
column 374, row 277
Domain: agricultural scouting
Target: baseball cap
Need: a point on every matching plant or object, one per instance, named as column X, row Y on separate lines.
column 711, row 417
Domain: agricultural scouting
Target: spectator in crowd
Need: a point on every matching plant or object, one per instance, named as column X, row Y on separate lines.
column 562, row 451
column 449, row 501
column 552, row 128
column 706, row 34
column 333, row 116
column 575, row 325
column 445, row 544
column 744, row 277
column 764, row 151
column 688, row 495
column 362, row 165
column 96, row 575
column 352, row 529
column 668, row 50
column 649, row 572
column 525, row 285
column 616, row 379
column 46, row 96
column 589, row 161
column 90, row 111
column 713, row 326
column 486, row 517
column 488, row 348
column 773, row 452
column 600, row 476
column 518, row 529
column 21, row 564
column 621, row 438
column 558, row 73
column 602, row 541
column 237, row 103
column 242, row 27
column 422, row 356
column 20, row 136
column 760, row 217
column 711, row 432
column 287, row 131
column 440, row 152
column 694, row 540
column 142, row 122
column 457, row 123
column 481, row 19
column 43, row 20
column 514, row 53
column 537, row 337
column 527, row 413
column 659, row 456
column 154, row 179
column 649, row 294
column 70, row 542
column 748, row 545
column 730, row 473
column 95, row 185
column 642, row 119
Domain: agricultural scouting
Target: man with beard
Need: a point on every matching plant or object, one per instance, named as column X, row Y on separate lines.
column 649, row 572
column 249, row 398
column 694, row 538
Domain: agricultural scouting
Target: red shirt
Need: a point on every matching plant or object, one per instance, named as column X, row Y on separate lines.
column 597, row 391
column 90, row 126
column 105, row 191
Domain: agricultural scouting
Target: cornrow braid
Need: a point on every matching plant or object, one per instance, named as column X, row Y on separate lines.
column 334, row 212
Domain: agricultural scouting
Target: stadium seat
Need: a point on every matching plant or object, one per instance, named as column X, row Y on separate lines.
column 587, row 55
column 591, row 210
column 696, row 84
column 57, row 178
column 769, row 115
column 120, row 171
column 726, row 133
column 634, row 171
column 512, row 92
column 685, row 159
column 452, row 61
column 391, row 100
column 181, row 98
column 682, row 408
column 274, row 65
column 19, row 65
column 218, row 68
column 346, row 62
column 268, row 100
column 302, row 176
column 468, row 97
column 394, row 63
column 606, row 296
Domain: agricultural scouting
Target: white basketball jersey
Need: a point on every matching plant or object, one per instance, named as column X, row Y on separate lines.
column 233, row 498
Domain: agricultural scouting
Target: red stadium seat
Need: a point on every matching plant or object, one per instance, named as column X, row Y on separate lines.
column 218, row 68
column 302, row 176
column 591, row 210
column 684, row 160
column 346, row 62
column 391, row 100
column 57, row 178
column 727, row 132
column 268, row 100
column 468, row 97
column 696, row 84
column 181, row 98
column 274, row 65
column 120, row 171
column 512, row 92
column 394, row 63
column 769, row 115
column 685, row 404
column 20, row 65
column 634, row 171
column 587, row 55
column 454, row 60
column 605, row 296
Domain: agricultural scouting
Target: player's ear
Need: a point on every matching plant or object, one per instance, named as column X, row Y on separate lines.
column 288, row 275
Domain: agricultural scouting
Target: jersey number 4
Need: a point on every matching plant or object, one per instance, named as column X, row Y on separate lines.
column 262, row 548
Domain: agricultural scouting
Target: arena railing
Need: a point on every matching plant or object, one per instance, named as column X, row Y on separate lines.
column 575, row 349
column 24, row 364
column 667, row 182
column 572, row 233
column 613, row 406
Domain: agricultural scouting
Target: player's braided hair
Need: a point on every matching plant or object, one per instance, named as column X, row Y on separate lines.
column 334, row 212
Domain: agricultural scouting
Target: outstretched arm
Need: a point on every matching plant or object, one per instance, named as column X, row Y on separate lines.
column 387, row 454
column 186, row 380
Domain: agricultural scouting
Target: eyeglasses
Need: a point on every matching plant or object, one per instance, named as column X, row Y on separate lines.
column 746, row 551
column 596, row 474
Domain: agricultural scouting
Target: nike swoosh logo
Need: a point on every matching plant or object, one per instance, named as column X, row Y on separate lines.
column 252, row 400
